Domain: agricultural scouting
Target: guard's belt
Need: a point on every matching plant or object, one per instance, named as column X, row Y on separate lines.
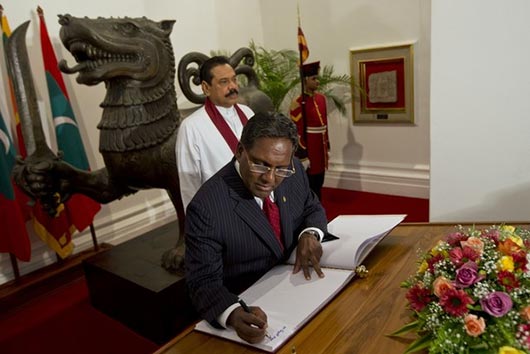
column 316, row 130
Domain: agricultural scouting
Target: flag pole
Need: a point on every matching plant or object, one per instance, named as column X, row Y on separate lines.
column 302, row 88
column 14, row 265
column 94, row 238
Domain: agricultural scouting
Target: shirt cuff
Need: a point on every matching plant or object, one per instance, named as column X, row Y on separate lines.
column 223, row 317
column 317, row 230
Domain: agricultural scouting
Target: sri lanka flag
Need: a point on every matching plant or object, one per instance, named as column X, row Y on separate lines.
column 302, row 43
column 302, row 46
column 80, row 208
column 6, row 33
column 14, row 237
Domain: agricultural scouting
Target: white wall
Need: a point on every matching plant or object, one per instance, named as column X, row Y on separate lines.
column 390, row 159
column 202, row 26
column 480, row 124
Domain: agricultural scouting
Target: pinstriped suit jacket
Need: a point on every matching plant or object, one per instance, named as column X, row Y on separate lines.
column 229, row 241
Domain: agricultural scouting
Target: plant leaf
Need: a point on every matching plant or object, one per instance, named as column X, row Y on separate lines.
column 405, row 329
column 420, row 344
column 279, row 77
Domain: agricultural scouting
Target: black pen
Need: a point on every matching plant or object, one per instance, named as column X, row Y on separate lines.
column 244, row 306
column 247, row 309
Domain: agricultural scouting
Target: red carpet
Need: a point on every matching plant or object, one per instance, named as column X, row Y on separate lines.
column 340, row 202
column 64, row 322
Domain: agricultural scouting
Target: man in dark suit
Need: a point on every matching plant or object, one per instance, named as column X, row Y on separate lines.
column 230, row 242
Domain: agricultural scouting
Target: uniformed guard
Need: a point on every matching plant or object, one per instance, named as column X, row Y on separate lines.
column 309, row 112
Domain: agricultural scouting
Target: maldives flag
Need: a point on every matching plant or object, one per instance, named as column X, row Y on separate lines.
column 80, row 208
column 14, row 237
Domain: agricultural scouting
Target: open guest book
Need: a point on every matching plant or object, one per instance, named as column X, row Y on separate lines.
column 289, row 300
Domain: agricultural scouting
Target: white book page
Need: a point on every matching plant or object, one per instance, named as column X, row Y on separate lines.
column 358, row 235
column 277, row 333
column 289, row 300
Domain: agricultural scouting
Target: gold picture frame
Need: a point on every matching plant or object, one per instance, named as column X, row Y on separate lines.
column 383, row 84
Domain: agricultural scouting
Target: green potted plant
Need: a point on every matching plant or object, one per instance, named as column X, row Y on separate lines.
column 279, row 77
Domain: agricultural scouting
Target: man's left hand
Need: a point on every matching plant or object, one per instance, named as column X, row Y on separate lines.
column 308, row 254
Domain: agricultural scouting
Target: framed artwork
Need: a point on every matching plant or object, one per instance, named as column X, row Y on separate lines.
column 383, row 84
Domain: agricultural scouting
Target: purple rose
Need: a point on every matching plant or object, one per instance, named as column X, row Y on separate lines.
column 467, row 275
column 496, row 304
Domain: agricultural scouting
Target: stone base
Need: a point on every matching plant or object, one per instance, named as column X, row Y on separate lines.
column 127, row 283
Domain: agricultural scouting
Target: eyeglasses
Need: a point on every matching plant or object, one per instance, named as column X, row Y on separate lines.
column 262, row 169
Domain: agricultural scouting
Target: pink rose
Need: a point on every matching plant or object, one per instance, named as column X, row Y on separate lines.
column 474, row 325
column 496, row 304
column 525, row 313
column 467, row 275
column 441, row 285
column 475, row 243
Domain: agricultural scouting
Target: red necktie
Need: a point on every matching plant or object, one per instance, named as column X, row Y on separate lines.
column 273, row 215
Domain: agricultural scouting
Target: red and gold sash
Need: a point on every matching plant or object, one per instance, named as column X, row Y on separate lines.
column 221, row 124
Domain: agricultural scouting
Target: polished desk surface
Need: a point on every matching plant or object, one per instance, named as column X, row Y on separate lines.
column 358, row 319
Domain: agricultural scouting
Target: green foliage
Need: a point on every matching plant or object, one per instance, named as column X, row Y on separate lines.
column 412, row 326
column 279, row 76
column 277, row 71
column 420, row 344
column 328, row 82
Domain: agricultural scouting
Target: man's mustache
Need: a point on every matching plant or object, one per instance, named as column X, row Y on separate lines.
column 231, row 92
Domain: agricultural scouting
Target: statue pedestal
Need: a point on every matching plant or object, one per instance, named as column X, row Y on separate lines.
column 127, row 283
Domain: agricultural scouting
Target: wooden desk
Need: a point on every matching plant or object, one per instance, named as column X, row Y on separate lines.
column 359, row 317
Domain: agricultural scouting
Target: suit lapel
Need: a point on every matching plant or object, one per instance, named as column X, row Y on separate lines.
column 249, row 211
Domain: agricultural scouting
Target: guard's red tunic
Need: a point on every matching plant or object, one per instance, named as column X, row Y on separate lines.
column 317, row 145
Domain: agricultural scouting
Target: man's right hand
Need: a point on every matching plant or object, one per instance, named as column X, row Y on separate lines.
column 306, row 163
column 250, row 326
column 308, row 253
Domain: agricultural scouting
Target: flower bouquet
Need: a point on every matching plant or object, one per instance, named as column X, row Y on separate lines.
column 471, row 293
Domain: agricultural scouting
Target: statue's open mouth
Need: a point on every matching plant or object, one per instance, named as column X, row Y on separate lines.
column 90, row 57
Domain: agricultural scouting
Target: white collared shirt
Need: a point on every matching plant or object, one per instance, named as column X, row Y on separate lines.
column 201, row 150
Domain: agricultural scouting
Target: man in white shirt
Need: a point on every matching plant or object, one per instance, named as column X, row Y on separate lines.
column 208, row 138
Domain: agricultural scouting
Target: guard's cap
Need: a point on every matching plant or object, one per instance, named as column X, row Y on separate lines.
column 311, row 69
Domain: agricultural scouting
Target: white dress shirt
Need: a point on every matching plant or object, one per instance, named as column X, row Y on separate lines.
column 201, row 150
